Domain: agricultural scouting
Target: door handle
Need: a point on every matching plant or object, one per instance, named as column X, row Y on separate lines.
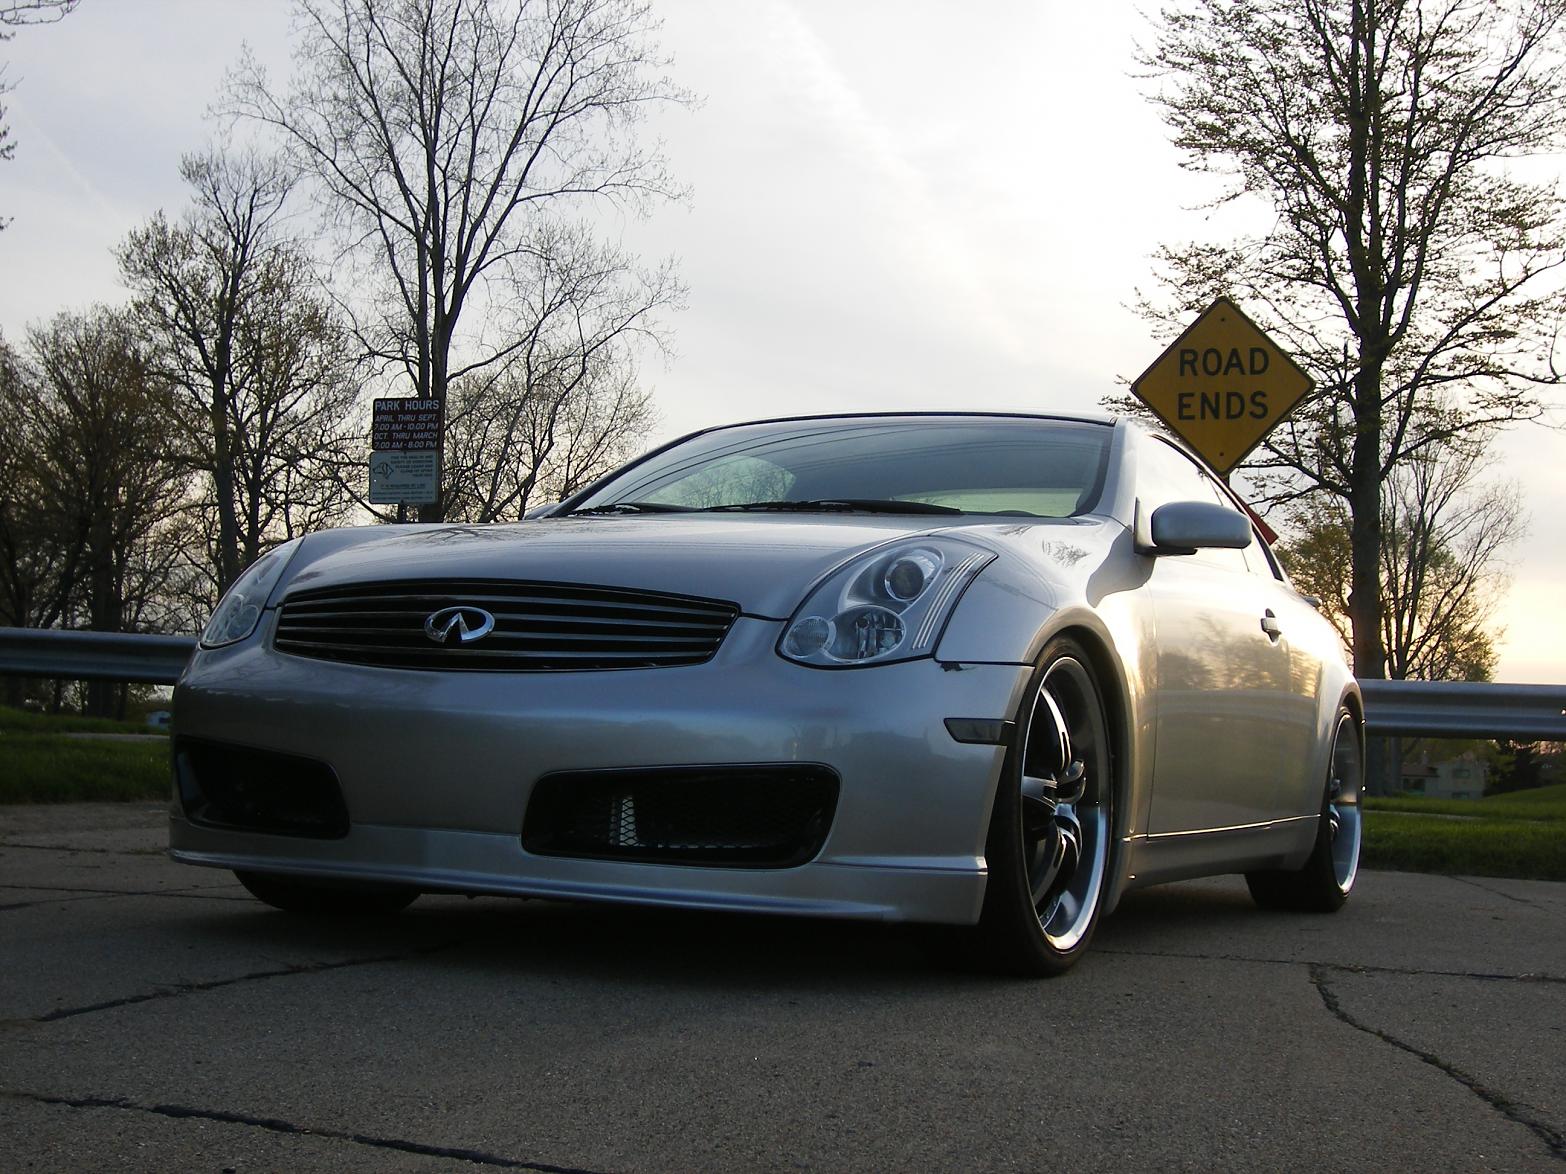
column 1271, row 626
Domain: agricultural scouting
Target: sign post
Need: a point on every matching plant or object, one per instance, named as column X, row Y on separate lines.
column 1222, row 386
column 405, row 452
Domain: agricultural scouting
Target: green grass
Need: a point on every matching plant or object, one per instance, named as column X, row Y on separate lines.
column 48, row 768
column 18, row 721
column 1522, row 834
column 1540, row 803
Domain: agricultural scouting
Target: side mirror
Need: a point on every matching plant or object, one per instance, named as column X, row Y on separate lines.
column 1184, row 527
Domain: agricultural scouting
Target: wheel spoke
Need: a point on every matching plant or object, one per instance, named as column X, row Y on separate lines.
column 1060, row 853
column 1042, row 879
column 1064, row 910
column 1069, row 829
column 1038, row 806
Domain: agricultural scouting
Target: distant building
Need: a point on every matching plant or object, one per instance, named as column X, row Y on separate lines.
column 1463, row 777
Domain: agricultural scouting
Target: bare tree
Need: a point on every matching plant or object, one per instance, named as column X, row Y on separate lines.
column 565, row 407
column 447, row 134
column 12, row 14
column 232, row 307
column 1407, row 264
column 19, row 12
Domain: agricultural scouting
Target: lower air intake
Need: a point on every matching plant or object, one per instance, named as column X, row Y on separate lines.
column 726, row 816
column 241, row 788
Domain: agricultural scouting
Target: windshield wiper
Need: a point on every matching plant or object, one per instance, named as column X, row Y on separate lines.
column 634, row 507
column 818, row 505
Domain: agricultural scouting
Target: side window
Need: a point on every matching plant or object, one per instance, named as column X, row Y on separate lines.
column 1262, row 560
column 1166, row 474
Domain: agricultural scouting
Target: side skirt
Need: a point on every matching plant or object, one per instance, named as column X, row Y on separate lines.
column 1155, row 860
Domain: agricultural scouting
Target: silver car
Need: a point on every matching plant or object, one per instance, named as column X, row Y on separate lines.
column 982, row 670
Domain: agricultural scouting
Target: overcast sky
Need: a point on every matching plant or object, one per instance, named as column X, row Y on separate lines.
column 895, row 205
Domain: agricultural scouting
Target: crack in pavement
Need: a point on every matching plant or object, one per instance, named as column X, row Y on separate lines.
column 96, row 889
column 274, row 1125
column 91, row 893
column 206, row 894
column 1553, row 1140
column 180, row 990
column 96, row 851
column 1464, row 880
column 1343, row 967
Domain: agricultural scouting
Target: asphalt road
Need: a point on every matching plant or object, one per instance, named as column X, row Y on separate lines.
column 153, row 1017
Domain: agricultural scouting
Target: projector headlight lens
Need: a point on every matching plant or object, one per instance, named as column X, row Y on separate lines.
column 888, row 606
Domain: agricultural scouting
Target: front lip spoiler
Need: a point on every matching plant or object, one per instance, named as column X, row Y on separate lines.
column 943, row 890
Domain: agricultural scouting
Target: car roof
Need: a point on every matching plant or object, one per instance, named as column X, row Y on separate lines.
column 1063, row 417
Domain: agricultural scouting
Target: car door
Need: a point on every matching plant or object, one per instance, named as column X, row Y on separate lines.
column 1308, row 641
column 1222, row 676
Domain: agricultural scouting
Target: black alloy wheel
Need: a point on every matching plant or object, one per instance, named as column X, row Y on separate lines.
column 1323, row 884
column 1051, row 835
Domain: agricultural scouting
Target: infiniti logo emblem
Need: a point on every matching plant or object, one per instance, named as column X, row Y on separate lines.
column 459, row 625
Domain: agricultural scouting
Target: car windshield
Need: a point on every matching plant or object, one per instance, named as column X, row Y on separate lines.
column 932, row 464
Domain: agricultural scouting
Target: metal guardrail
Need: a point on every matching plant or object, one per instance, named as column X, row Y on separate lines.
column 1463, row 709
column 94, row 656
column 1409, row 709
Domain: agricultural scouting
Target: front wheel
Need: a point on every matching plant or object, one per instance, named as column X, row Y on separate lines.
column 326, row 898
column 1325, row 881
column 1049, row 846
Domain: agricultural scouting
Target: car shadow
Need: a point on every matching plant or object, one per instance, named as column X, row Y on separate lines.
column 698, row 949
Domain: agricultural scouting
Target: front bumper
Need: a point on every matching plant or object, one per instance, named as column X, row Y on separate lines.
column 436, row 769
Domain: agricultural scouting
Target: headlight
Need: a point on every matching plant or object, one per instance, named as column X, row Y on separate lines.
column 888, row 606
column 239, row 611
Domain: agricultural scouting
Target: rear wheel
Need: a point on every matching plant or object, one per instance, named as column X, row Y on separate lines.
column 1050, row 837
column 326, row 898
column 1325, row 881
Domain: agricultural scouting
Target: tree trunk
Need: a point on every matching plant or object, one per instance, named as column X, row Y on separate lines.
column 1364, row 602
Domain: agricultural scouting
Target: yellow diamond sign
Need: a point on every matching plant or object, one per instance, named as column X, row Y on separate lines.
column 1222, row 385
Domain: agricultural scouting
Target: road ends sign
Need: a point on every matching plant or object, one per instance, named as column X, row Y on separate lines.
column 1222, row 385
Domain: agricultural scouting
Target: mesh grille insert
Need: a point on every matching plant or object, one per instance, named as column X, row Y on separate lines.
column 733, row 816
column 538, row 627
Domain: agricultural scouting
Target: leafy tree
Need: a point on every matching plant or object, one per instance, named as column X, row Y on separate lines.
column 1522, row 766
column 30, row 558
column 107, row 480
column 448, row 138
column 1407, row 262
column 232, row 308
column 1442, row 569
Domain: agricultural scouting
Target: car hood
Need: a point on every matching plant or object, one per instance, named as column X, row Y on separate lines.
column 763, row 563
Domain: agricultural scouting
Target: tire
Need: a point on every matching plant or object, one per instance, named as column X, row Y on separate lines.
column 1051, row 836
column 1327, row 878
column 327, row 898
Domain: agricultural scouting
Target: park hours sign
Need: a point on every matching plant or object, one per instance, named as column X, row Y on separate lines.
column 405, row 451
column 1222, row 385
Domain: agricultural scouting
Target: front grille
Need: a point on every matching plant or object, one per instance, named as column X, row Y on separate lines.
column 732, row 816
column 539, row 627
column 225, row 786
